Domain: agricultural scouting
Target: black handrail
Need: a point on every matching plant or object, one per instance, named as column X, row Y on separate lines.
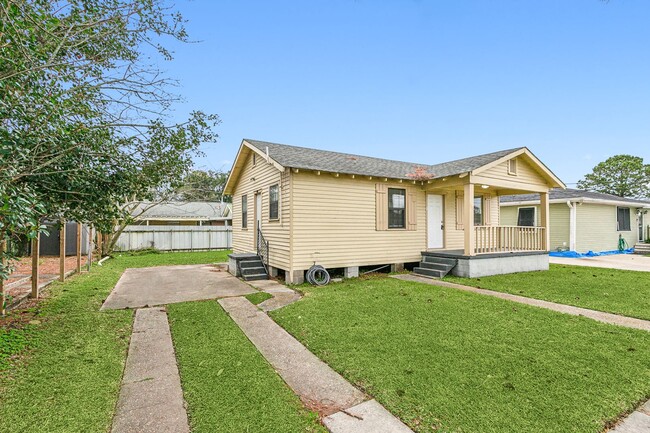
column 263, row 249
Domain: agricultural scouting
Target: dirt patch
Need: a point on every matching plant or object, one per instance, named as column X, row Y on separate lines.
column 47, row 265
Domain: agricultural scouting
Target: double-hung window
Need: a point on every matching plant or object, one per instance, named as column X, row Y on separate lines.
column 244, row 211
column 623, row 219
column 274, row 200
column 396, row 208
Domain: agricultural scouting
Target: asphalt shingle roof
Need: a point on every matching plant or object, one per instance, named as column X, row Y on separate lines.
column 570, row 194
column 184, row 210
column 324, row 160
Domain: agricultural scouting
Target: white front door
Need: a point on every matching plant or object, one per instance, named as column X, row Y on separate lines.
column 434, row 221
column 641, row 227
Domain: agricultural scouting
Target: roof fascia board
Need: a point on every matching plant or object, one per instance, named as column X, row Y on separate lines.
column 580, row 200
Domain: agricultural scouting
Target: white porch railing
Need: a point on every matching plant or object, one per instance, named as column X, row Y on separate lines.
column 503, row 239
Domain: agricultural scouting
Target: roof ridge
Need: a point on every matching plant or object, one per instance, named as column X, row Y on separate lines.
column 415, row 164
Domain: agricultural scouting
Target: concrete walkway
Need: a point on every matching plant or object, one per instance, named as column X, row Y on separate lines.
column 627, row 262
column 600, row 316
column 637, row 422
column 319, row 387
column 144, row 287
column 151, row 398
column 282, row 295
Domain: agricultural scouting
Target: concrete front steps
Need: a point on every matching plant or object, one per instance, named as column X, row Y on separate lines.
column 642, row 249
column 434, row 266
column 249, row 266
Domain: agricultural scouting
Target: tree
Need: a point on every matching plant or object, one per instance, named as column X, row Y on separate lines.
column 200, row 185
column 84, row 114
column 621, row 175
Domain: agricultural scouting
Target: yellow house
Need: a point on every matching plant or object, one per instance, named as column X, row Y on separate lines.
column 295, row 207
column 583, row 221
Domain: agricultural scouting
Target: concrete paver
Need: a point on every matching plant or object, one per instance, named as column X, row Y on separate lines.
column 142, row 287
column 628, row 262
column 367, row 417
column 600, row 316
column 151, row 398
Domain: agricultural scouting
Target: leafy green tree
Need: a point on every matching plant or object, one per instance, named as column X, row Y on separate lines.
column 621, row 175
column 200, row 185
column 84, row 111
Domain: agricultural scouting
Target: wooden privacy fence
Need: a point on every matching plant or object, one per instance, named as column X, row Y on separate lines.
column 501, row 239
column 175, row 238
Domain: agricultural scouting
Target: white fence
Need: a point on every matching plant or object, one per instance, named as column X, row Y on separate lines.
column 175, row 238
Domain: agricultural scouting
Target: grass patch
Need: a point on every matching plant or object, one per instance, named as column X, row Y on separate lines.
column 446, row 360
column 258, row 297
column 609, row 290
column 63, row 373
column 227, row 383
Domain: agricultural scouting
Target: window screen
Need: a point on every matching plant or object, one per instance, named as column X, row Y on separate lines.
column 623, row 219
column 274, row 198
column 526, row 217
column 244, row 211
column 396, row 208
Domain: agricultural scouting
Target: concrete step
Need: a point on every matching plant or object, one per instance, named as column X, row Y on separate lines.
column 437, row 266
column 440, row 260
column 433, row 273
column 255, row 277
column 251, row 263
column 253, row 271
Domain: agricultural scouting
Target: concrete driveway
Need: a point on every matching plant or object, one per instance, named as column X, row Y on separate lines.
column 141, row 287
column 629, row 262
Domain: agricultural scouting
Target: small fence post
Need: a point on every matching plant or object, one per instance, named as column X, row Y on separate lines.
column 79, row 227
column 62, row 250
column 36, row 244
column 3, row 298
column 90, row 248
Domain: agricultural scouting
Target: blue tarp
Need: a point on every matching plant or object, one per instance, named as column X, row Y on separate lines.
column 576, row 255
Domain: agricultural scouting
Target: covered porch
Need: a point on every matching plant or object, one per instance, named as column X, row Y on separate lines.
column 463, row 219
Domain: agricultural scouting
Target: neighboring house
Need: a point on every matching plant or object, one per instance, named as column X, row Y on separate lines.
column 192, row 213
column 582, row 220
column 345, row 211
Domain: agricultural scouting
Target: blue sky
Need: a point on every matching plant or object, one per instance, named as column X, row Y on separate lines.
column 422, row 81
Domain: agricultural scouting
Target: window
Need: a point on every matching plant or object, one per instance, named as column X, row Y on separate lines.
column 526, row 217
column 244, row 211
column 478, row 211
column 512, row 166
column 274, row 198
column 254, row 159
column 396, row 208
column 623, row 219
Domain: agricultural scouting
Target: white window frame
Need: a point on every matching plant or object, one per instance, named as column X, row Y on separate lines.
column 629, row 212
column 513, row 167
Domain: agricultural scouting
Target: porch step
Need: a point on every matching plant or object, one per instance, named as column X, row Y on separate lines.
column 435, row 267
column 253, row 269
column 642, row 249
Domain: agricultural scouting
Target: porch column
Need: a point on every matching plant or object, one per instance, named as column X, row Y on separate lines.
column 545, row 220
column 468, row 219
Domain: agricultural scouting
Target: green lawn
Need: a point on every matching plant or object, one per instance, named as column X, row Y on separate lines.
column 258, row 297
column 227, row 383
column 68, row 375
column 446, row 360
column 610, row 290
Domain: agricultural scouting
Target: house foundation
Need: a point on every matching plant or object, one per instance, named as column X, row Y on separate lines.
column 351, row 272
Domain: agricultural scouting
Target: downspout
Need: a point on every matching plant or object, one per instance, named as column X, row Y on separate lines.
column 572, row 225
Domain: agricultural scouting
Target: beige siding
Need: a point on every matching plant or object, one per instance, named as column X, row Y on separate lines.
column 258, row 179
column 335, row 224
column 596, row 228
column 526, row 174
column 454, row 237
column 559, row 216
